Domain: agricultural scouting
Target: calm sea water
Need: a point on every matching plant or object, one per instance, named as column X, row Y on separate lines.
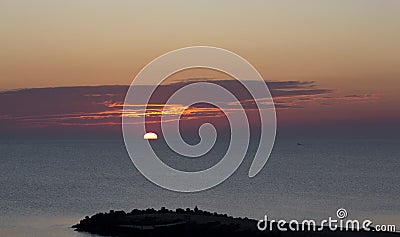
column 48, row 185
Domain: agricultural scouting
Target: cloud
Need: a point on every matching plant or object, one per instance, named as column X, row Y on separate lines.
column 61, row 108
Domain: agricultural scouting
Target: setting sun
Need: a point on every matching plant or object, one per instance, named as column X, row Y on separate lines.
column 150, row 136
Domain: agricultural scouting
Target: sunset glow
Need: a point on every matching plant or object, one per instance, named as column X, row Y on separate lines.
column 333, row 67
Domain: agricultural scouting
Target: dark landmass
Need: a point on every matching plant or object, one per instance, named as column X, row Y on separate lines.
column 187, row 222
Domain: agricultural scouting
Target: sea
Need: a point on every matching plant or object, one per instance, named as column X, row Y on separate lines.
column 46, row 186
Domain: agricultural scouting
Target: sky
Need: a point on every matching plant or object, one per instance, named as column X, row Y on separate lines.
column 348, row 49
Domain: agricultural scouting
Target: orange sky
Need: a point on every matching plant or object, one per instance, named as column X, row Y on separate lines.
column 350, row 49
column 350, row 45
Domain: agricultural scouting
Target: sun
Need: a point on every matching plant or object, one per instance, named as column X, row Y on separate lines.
column 150, row 136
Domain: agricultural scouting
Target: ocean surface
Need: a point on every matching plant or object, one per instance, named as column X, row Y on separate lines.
column 46, row 186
